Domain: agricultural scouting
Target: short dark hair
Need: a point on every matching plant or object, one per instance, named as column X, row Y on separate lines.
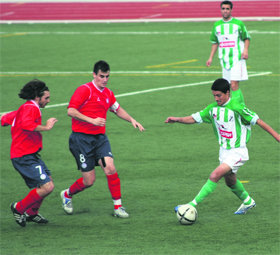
column 101, row 65
column 221, row 85
column 227, row 2
column 33, row 89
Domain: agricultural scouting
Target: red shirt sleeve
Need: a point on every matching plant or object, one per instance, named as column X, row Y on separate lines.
column 8, row 118
column 80, row 96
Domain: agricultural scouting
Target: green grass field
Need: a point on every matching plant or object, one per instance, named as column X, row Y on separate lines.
column 160, row 168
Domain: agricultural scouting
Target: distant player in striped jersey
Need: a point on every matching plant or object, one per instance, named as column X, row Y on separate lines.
column 231, row 37
column 232, row 126
column 26, row 128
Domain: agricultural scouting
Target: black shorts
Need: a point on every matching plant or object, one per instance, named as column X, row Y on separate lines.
column 89, row 149
column 32, row 169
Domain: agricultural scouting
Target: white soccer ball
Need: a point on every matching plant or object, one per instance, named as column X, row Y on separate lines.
column 187, row 214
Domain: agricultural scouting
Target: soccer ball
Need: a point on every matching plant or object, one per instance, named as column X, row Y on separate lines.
column 186, row 214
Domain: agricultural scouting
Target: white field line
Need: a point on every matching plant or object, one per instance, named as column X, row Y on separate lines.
column 118, row 72
column 127, row 33
column 158, row 89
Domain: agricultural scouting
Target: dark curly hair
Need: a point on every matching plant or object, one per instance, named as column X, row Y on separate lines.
column 33, row 89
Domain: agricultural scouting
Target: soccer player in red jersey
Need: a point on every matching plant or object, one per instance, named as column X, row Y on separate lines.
column 88, row 142
column 26, row 125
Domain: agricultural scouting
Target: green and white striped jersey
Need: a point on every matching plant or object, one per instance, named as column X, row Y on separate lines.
column 231, row 122
column 230, row 36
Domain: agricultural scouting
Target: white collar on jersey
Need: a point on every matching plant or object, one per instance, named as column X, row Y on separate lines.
column 101, row 90
column 226, row 102
column 32, row 101
column 35, row 103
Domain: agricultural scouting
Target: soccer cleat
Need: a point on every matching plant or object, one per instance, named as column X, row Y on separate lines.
column 66, row 203
column 121, row 213
column 20, row 218
column 38, row 218
column 244, row 208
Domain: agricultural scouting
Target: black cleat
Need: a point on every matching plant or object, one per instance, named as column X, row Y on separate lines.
column 37, row 218
column 20, row 218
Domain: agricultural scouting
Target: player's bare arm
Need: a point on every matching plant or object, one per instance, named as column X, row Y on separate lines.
column 121, row 113
column 268, row 129
column 212, row 53
column 245, row 53
column 74, row 113
column 49, row 125
column 184, row 120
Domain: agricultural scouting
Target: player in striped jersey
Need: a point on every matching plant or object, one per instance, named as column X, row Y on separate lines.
column 232, row 122
column 231, row 37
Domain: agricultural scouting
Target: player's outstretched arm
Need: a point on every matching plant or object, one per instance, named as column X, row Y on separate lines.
column 184, row 120
column 121, row 113
column 7, row 118
column 268, row 129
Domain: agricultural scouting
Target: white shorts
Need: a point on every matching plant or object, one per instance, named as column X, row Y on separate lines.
column 234, row 158
column 237, row 73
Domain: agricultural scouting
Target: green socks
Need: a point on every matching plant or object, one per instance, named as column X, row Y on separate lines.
column 207, row 189
column 239, row 190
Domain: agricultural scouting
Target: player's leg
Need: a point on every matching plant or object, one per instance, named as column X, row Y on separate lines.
column 238, row 73
column 114, row 185
column 35, row 173
column 236, row 158
column 238, row 189
column 210, row 185
column 86, row 181
column 81, row 147
column 32, row 213
column 234, row 85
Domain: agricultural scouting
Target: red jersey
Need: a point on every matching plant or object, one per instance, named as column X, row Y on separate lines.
column 24, row 139
column 94, row 103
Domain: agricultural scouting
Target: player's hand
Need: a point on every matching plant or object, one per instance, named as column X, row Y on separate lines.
column 136, row 124
column 99, row 122
column 171, row 120
column 245, row 55
column 50, row 123
column 209, row 62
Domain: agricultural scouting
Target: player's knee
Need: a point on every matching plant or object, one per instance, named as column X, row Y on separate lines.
column 88, row 182
column 50, row 187
column 215, row 177
column 110, row 169
column 234, row 85
column 46, row 189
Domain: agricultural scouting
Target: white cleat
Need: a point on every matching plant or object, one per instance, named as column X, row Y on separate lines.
column 66, row 203
column 121, row 213
column 244, row 208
